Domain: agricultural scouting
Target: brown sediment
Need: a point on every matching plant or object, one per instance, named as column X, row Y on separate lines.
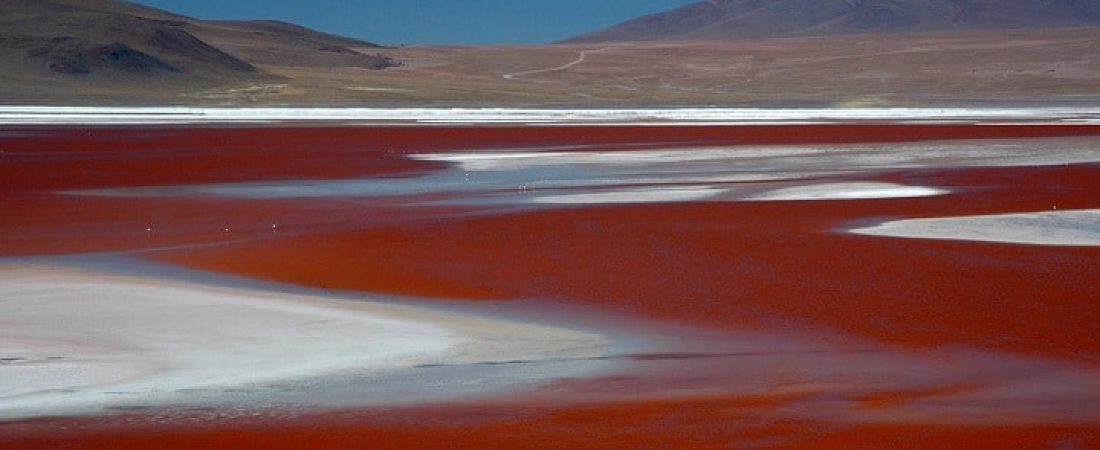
column 890, row 399
column 716, row 422
column 922, row 436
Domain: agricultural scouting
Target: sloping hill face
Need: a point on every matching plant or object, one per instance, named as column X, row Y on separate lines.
column 735, row 19
column 291, row 32
column 285, row 44
column 103, row 46
column 83, row 42
column 10, row 9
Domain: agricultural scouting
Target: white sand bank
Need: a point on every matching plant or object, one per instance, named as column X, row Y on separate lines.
column 77, row 342
column 655, row 194
column 847, row 191
column 177, row 114
column 593, row 176
column 1071, row 228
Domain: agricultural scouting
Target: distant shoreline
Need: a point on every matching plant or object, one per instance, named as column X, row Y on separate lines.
column 81, row 115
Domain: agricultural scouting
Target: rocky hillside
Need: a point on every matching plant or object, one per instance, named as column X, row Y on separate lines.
column 109, row 44
column 735, row 19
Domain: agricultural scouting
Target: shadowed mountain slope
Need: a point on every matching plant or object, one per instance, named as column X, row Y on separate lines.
column 104, row 45
column 735, row 19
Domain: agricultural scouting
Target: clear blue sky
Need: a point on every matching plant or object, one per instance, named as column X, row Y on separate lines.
column 431, row 21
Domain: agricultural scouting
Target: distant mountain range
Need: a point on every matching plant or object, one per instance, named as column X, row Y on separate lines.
column 112, row 52
column 108, row 42
column 737, row 19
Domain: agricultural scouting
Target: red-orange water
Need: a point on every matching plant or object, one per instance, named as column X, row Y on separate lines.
column 719, row 266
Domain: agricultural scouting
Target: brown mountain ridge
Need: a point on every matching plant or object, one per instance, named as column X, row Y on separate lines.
column 739, row 19
column 108, row 44
column 109, row 52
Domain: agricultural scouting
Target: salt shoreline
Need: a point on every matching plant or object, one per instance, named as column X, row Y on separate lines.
column 79, row 342
column 1055, row 227
column 58, row 115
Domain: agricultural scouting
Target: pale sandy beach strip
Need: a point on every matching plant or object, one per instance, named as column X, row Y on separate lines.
column 74, row 342
column 84, row 115
column 1055, row 227
column 863, row 190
